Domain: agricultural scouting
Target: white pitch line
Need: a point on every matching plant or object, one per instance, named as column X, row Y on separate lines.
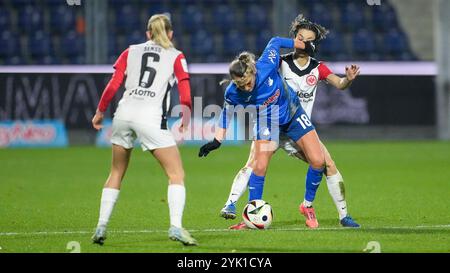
column 211, row 230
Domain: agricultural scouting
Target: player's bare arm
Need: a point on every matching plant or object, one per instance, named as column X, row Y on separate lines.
column 97, row 120
column 342, row 83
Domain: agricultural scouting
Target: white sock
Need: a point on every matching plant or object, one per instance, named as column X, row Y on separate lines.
column 239, row 186
column 109, row 198
column 176, row 197
column 336, row 189
column 307, row 203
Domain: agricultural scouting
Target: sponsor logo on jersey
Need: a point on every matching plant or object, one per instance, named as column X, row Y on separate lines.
column 272, row 98
column 272, row 55
column 270, row 82
column 305, row 95
column 311, row 80
column 142, row 93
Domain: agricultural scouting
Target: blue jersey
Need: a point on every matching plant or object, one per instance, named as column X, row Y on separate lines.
column 269, row 89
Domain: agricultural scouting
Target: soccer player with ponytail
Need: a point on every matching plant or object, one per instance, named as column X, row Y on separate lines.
column 302, row 72
column 151, row 69
column 258, row 84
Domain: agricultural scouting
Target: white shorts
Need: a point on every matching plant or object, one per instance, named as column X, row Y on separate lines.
column 290, row 147
column 125, row 133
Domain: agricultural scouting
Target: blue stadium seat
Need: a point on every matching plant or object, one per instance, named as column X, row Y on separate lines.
column 118, row 3
column 262, row 38
column 352, row 18
column 5, row 19
column 9, row 44
column 31, row 19
column 40, row 44
column 127, row 19
column 395, row 42
column 384, row 17
column 15, row 60
column 233, row 43
column 223, row 18
column 47, row 60
column 55, row 2
column 62, row 19
column 332, row 45
column 72, row 45
column 192, row 18
column 256, row 18
column 363, row 43
column 136, row 37
column 321, row 15
column 155, row 8
column 202, row 43
column 76, row 59
column 113, row 51
column 20, row 2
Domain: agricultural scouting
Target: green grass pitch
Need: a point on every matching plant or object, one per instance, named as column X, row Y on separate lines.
column 398, row 191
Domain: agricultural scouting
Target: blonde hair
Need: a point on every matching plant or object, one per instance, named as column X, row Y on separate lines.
column 243, row 67
column 159, row 26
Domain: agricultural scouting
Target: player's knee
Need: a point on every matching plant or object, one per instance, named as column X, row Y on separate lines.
column 317, row 161
column 176, row 177
column 331, row 166
column 250, row 162
column 259, row 168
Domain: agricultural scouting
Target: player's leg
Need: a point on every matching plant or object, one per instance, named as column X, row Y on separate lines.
column 238, row 187
column 122, row 139
column 170, row 160
column 336, row 188
column 110, row 193
column 310, row 144
column 262, row 153
column 264, row 149
column 303, row 133
column 312, row 149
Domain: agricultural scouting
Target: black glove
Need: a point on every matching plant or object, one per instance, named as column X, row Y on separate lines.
column 208, row 147
column 310, row 48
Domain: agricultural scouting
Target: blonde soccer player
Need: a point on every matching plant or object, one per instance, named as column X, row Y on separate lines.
column 303, row 72
column 151, row 69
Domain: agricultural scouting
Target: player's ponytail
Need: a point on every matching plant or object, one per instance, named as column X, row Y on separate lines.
column 159, row 26
column 241, row 67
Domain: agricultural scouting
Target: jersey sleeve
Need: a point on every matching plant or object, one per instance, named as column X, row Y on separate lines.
column 226, row 115
column 116, row 81
column 324, row 71
column 184, row 89
column 180, row 68
column 227, row 111
column 271, row 54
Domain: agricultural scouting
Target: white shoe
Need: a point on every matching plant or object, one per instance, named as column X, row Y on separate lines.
column 182, row 235
column 99, row 236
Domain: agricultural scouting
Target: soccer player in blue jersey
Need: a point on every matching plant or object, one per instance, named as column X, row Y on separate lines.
column 302, row 72
column 258, row 84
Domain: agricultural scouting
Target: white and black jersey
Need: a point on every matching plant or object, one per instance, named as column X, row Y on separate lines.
column 304, row 79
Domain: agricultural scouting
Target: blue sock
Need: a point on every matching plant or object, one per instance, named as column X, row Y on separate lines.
column 313, row 179
column 255, row 187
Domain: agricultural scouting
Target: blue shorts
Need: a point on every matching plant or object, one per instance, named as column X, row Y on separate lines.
column 299, row 126
column 296, row 128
